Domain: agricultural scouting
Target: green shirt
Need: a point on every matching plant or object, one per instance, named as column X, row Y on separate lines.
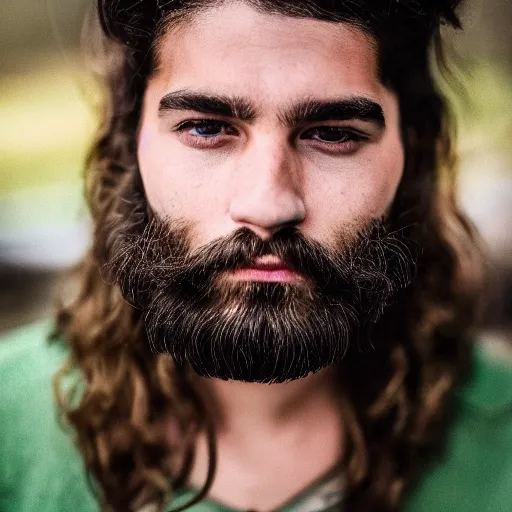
column 42, row 471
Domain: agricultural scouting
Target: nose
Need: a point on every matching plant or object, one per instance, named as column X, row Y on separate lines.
column 266, row 185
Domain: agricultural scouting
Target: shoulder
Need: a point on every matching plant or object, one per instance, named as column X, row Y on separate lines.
column 19, row 343
column 474, row 474
column 40, row 468
column 488, row 391
column 28, row 360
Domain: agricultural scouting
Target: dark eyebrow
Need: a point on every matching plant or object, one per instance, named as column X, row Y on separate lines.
column 312, row 111
column 307, row 111
column 225, row 106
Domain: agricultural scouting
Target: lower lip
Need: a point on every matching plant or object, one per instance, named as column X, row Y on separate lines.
column 278, row 276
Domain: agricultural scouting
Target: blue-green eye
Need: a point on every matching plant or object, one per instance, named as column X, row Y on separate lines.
column 206, row 128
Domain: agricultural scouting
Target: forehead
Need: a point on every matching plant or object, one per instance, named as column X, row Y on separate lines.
column 235, row 49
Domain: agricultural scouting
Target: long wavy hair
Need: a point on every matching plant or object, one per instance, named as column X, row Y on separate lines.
column 395, row 396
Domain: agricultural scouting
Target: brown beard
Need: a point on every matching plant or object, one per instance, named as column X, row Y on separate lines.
column 254, row 331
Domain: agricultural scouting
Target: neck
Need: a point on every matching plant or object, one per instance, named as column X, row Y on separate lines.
column 278, row 438
column 249, row 407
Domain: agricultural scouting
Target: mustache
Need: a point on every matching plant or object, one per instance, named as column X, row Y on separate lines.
column 158, row 256
column 243, row 247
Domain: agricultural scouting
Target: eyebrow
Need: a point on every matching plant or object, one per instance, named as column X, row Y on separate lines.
column 306, row 111
column 235, row 107
column 354, row 108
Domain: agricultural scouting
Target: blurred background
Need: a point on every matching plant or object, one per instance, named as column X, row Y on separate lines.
column 47, row 120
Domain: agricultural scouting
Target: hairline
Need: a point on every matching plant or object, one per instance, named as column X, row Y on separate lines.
column 178, row 19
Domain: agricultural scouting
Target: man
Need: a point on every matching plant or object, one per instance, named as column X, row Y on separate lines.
column 278, row 306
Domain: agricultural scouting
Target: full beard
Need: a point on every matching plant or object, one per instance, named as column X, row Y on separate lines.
column 254, row 331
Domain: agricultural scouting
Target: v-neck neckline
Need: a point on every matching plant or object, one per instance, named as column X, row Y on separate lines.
column 331, row 482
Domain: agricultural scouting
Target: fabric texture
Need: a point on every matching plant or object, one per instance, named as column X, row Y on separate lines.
column 41, row 469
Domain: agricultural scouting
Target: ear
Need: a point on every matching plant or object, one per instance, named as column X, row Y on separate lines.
column 445, row 11
column 437, row 11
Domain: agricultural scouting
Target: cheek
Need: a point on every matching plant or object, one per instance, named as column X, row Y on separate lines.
column 166, row 173
column 178, row 182
column 151, row 157
column 380, row 193
column 357, row 190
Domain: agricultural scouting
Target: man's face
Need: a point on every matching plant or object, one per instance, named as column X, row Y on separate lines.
column 263, row 170
column 264, row 140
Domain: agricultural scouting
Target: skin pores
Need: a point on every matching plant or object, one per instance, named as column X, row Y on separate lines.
column 221, row 173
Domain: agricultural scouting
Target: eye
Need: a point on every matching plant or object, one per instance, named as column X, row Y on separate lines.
column 206, row 128
column 205, row 133
column 340, row 139
column 332, row 134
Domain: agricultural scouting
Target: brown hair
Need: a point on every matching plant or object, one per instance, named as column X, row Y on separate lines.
column 395, row 396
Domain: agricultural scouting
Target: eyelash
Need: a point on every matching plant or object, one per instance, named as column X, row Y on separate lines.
column 352, row 138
